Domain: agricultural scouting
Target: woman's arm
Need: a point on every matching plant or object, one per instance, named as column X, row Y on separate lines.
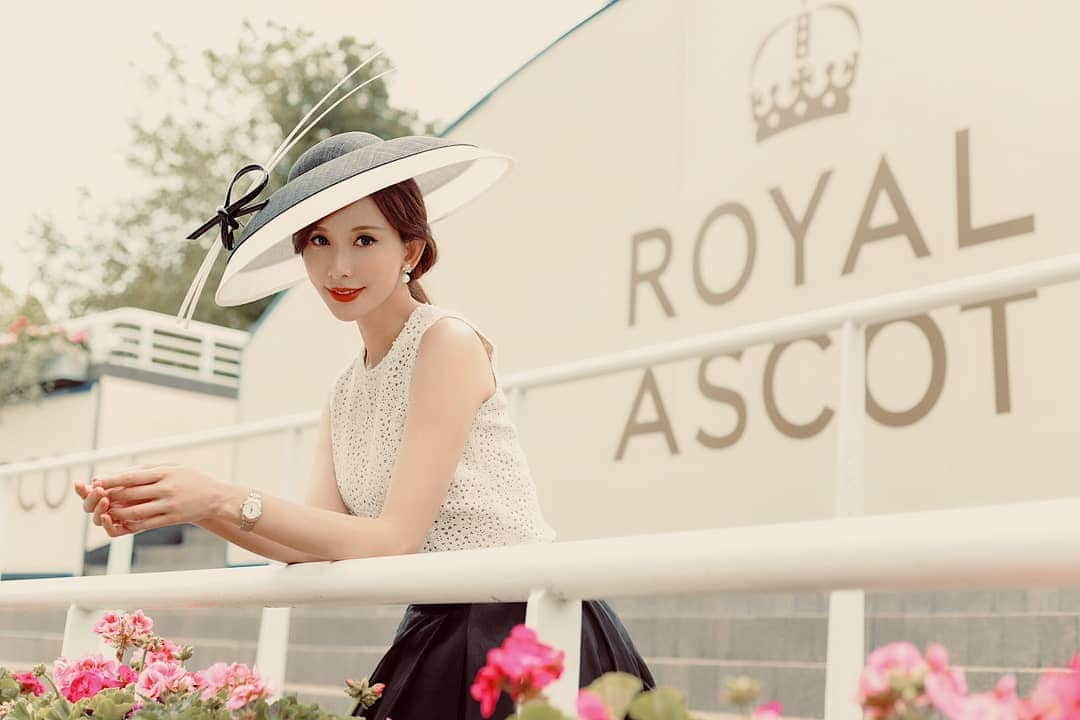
column 258, row 545
column 322, row 492
column 303, row 533
column 437, row 424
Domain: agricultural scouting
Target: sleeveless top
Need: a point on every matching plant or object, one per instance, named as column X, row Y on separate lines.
column 491, row 500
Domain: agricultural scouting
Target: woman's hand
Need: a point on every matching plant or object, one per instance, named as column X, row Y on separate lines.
column 148, row 497
column 98, row 502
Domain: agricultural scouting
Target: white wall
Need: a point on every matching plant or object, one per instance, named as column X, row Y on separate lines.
column 42, row 527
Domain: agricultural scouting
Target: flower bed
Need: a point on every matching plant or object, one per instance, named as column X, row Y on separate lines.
column 898, row 683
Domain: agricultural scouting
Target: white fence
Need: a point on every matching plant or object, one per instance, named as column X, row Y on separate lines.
column 147, row 340
column 1032, row 543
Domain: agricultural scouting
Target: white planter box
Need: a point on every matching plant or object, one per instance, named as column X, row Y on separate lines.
column 67, row 366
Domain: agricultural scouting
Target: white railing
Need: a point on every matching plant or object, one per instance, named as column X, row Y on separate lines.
column 1032, row 543
column 151, row 341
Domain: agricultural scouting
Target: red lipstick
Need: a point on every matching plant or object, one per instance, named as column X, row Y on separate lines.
column 346, row 296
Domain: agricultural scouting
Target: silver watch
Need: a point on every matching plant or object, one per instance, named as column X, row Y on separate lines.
column 251, row 510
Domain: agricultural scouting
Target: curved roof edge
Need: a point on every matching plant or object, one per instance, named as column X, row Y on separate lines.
column 273, row 303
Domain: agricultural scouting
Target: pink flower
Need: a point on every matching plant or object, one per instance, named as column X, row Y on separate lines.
column 527, row 663
column 902, row 658
column 945, row 687
column 125, row 676
column 898, row 662
column 591, row 707
column 768, row 711
column 28, row 683
column 1056, row 695
column 78, row 336
column 86, row 683
column 124, row 629
column 486, row 688
column 241, row 683
column 162, row 676
column 522, row 666
column 18, row 324
column 169, row 651
column 241, row 695
column 89, row 675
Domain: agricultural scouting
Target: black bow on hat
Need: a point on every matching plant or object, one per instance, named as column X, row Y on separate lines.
column 227, row 213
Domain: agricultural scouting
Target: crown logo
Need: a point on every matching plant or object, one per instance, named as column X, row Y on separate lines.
column 793, row 82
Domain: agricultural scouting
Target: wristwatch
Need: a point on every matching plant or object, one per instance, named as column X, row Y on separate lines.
column 251, row 510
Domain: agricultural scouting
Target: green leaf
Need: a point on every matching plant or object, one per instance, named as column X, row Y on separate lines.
column 539, row 709
column 617, row 690
column 9, row 688
column 20, row 710
column 662, row 703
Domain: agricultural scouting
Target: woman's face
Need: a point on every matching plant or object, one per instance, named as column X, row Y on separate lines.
column 354, row 247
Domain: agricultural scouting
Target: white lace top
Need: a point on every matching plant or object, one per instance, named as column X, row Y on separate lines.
column 491, row 500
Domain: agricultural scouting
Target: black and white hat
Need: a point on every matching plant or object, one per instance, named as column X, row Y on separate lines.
column 328, row 176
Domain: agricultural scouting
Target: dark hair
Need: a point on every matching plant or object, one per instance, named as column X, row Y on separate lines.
column 402, row 204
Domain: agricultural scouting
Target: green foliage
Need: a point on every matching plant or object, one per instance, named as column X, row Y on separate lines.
column 115, row 703
column 617, row 690
column 234, row 107
column 26, row 353
column 109, row 704
column 662, row 703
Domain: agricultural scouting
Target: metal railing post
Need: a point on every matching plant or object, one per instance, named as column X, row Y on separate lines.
column 845, row 646
column 557, row 622
column 79, row 636
column 272, row 650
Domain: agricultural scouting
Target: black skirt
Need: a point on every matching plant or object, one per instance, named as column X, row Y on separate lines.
column 439, row 648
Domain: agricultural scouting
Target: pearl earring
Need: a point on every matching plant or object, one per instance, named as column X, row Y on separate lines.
column 405, row 274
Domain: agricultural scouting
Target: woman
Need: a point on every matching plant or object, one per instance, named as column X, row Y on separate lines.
column 405, row 461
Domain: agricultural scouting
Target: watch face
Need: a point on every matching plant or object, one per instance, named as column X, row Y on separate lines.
column 249, row 511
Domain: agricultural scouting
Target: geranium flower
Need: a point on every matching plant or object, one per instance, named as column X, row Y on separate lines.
column 242, row 683
column 769, row 711
column 124, row 629
column 522, row 666
column 28, row 683
column 898, row 663
column 162, row 676
column 1056, row 695
column 946, row 687
column 89, row 675
column 591, row 706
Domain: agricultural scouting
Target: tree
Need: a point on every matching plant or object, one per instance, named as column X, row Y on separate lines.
column 12, row 306
column 240, row 108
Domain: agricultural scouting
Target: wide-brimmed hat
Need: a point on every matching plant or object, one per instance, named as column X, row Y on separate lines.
column 328, row 176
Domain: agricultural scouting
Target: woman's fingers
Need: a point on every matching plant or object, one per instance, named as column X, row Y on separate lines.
column 138, row 512
column 128, row 478
column 134, row 494
column 101, row 507
column 111, row 528
column 91, row 499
